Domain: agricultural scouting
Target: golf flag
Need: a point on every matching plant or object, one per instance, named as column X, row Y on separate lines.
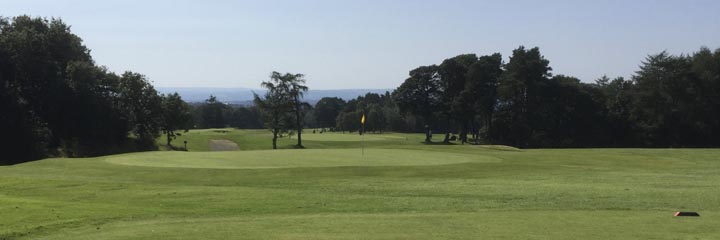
column 362, row 120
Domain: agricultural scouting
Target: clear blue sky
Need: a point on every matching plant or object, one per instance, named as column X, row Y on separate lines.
column 370, row 44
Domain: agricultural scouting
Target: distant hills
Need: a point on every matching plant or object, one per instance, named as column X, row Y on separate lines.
column 244, row 96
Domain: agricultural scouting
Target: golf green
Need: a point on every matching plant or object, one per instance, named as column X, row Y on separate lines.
column 296, row 158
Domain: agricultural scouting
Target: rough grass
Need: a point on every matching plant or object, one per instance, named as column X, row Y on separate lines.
column 400, row 190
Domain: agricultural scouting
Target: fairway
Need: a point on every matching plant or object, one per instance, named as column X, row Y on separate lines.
column 399, row 189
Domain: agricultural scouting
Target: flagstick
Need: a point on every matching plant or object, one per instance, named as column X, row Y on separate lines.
column 362, row 132
column 363, row 139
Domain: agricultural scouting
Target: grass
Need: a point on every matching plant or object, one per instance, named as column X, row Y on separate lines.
column 400, row 189
column 197, row 140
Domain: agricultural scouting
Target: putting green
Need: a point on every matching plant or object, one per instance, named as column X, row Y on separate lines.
column 350, row 137
column 295, row 158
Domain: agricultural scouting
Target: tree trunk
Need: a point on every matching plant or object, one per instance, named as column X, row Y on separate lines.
column 274, row 140
column 447, row 131
column 297, row 122
column 488, row 124
column 169, row 139
column 463, row 133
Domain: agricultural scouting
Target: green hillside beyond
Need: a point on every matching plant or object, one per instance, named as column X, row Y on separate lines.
column 398, row 189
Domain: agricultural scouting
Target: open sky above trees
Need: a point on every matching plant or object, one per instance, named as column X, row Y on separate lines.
column 370, row 44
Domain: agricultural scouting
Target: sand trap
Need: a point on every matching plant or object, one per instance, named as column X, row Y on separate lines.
column 222, row 145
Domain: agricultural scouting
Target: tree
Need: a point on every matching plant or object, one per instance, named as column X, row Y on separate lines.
column 616, row 96
column 706, row 69
column 519, row 95
column 452, row 73
column 34, row 54
column 296, row 90
column 348, row 121
column 213, row 113
column 57, row 102
column 96, row 122
column 143, row 107
column 327, row 111
column 245, row 118
column 569, row 115
column 276, row 104
column 420, row 94
column 666, row 101
column 479, row 97
column 176, row 116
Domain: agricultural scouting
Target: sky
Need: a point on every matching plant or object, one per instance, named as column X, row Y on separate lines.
column 342, row 44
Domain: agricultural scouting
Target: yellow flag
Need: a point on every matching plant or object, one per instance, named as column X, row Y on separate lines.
column 362, row 120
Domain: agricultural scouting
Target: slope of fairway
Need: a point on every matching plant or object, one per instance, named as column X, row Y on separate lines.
column 296, row 158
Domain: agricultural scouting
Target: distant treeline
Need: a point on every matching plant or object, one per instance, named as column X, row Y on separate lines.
column 672, row 101
column 55, row 101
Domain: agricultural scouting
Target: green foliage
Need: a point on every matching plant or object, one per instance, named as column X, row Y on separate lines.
column 282, row 104
column 479, row 95
column 176, row 116
column 520, row 96
column 212, row 113
column 245, row 117
column 55, row 101
column 327, row 110
column 421, row 95
column 675, row 99
column 381, row 114
column 143, row 106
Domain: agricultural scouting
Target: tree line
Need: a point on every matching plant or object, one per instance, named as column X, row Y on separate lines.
column 672, row 101
column 55, row 101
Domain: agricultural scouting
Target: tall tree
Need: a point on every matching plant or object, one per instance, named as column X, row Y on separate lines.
column 296, row 90
column 665, row 92
column 617, row 98
column 519, row 95
column 279, row 101
column 420, row 94
column 176, row 116
column 479, row 97
column 143, row 107
column 452, row 73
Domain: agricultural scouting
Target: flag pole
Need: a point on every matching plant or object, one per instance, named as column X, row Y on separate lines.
column 362, row 132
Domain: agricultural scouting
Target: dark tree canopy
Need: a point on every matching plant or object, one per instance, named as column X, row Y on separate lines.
column 421, row 95
column 327, row 110
column 212, row 113
column 176, row 116
column 56, row 102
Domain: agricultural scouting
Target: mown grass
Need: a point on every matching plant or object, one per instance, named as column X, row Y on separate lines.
column 400, row 189
column 197, row 140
